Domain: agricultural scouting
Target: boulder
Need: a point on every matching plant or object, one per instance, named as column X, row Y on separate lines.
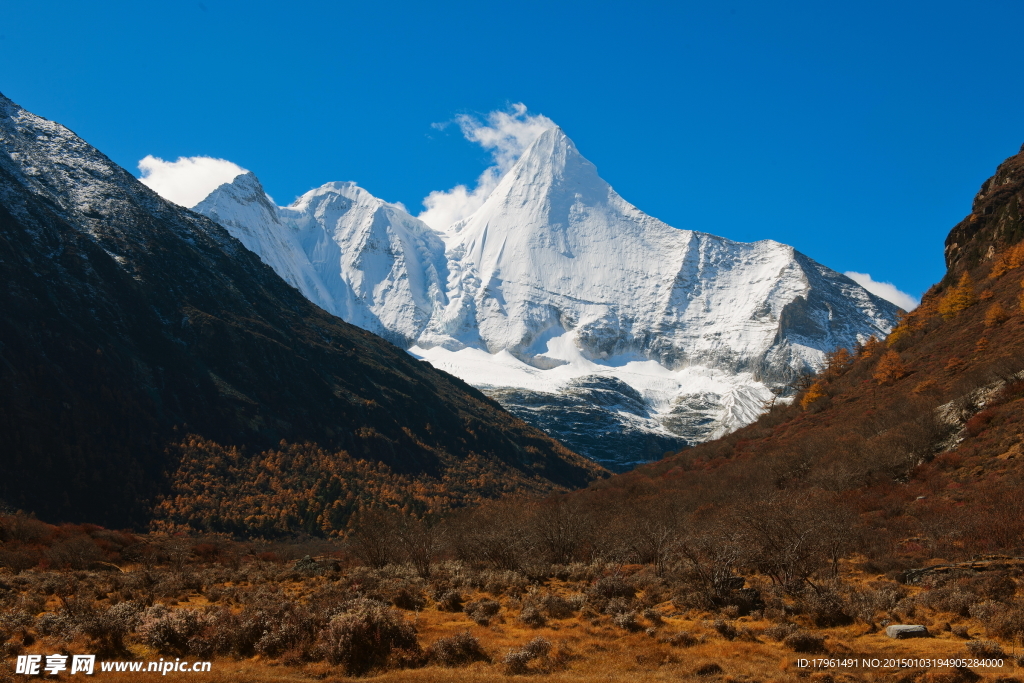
column 906, row 631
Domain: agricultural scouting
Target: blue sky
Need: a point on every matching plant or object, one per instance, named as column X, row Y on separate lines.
column 857, row 132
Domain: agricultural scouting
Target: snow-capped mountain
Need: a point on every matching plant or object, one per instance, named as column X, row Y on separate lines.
column 356, row 256
column 610, row 329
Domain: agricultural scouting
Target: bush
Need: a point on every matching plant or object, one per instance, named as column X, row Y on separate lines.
column 802, row 641
column 626, row 620
column 457, row 650
column 532, row 617
column 363, row 637
column 108, row 628
column 612, row 587
column 449, row 601
column 557, row 607
column 652, row 615
column 169, row 632
column 826, row 607
column 710, row 669
column 481, row 611
column 681, row 639
column 618, row 606
column 985, row 649
column 516, row 661
column 725, row 629
column 779, row 632
column 408, row 599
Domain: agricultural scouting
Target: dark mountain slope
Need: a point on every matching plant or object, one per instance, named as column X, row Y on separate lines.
column 920, row 437
column 995, row 221
column 126, row 320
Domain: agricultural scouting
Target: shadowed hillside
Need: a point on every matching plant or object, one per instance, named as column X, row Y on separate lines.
column 127, row 322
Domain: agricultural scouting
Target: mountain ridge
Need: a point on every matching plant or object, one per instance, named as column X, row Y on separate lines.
column 557, row 278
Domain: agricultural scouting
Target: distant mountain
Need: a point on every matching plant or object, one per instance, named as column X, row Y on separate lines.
column 127, row 322
column 618, row 334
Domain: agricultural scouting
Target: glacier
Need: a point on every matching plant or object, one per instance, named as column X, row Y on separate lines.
column 618, row 334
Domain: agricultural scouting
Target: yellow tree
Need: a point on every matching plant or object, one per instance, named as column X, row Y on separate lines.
column 890, row 368
column 958, row 297
column 870, row 347
column 814, row 392
column 837, row 362
column 995, row 315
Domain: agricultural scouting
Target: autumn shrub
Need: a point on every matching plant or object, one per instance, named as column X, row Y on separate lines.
column 826, row 606
column 482, row 611
column 19, row 560
column 557, row 607
column 724, row 629
column 504, row 582
column 803, row 641
column 517, row 661
column 408, row 598
column 364, row 636
column 890, row 368
column 107, row 628
column 1008, row 624
column 654, row 616
column 985, row 649
column 612, row 587
column 681, row 639
column 996, row 315
column 627, row 621
column 532, row 617
column 457, row 650
column 709, row 669
column 618, row 606
column 449, row 601
column 957, row 297
column 169, row 632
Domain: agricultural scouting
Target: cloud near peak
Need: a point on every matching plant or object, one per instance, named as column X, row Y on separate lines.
column 188, row 180
column 507, row 134
column 884, row 290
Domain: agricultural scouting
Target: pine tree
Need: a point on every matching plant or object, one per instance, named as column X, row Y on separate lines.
column 838, row 362
column 870, row 347
column 814, row 392
column 890, row 368
column 958, row 297
column 1009, row 260
column 996, row 315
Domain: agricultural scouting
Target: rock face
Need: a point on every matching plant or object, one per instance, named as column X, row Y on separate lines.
column 996, row 219
column 127, row 322
column 557, row 280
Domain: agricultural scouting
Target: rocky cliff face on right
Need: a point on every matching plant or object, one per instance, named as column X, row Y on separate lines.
column 618, row 334
column 995, row 221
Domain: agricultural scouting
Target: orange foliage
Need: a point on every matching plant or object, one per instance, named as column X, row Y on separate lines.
column 814, row 392
column 996, row 315
column 870, row 347
column 890, row 368
column 958, row 297
column 1010, row 259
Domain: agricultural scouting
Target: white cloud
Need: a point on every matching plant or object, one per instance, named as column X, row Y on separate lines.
column 188, row 180
column 507, row 134
column 885, row 290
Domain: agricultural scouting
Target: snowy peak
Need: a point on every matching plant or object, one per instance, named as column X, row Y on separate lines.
column 553, row 165
column 555, row 280
column 354, row 255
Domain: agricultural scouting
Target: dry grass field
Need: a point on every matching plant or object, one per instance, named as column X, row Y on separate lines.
column 314, row 620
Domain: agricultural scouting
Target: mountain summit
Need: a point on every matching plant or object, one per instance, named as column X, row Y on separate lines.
column 613, row 331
